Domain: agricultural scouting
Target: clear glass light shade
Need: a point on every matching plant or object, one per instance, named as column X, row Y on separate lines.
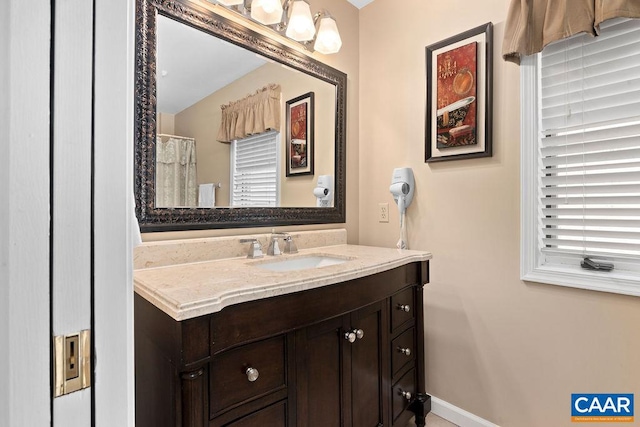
column 230, row 2
column 328, row 40
column 267, row 12
column 300, row 27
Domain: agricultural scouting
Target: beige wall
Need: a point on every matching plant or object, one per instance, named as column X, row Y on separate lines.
column 202, row 121
column 346, row 61
column 508, row 351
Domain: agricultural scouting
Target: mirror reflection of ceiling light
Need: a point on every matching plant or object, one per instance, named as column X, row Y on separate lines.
column 292, row 19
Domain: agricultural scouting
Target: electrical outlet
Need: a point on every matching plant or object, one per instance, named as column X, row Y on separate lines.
column 383, row 212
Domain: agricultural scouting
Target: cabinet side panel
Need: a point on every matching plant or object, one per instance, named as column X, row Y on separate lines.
column 155, row 386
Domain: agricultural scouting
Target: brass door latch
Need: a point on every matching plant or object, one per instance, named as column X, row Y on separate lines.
column 72, row 362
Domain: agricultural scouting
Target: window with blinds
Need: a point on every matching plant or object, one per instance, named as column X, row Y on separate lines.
column 255, row 170
column 586, row 177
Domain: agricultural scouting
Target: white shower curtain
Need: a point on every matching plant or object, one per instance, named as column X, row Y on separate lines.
column 176, row 172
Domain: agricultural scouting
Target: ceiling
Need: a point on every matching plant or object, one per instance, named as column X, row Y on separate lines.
column 359, row 3
column 186, row 75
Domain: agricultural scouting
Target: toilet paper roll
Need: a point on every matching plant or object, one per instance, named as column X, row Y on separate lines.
column 399, row 188
column 320, row 192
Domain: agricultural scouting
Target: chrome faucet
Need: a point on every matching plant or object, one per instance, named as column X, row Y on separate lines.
column 255, row 249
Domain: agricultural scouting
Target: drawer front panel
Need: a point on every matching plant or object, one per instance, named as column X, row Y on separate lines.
column 403, row 350
column 406, row 384
column 402, row 308
column 272, row 416
column 230, row 382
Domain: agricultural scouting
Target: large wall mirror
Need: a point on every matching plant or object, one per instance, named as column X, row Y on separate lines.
column 192, row 64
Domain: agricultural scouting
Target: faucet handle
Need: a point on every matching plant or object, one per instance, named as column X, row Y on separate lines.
column 255, row 249
column 289, row 245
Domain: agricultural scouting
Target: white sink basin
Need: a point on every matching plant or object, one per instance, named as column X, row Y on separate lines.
column 301, row 263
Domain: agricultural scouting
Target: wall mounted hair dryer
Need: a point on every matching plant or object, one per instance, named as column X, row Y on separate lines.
column 324, row 191
column 402, row 188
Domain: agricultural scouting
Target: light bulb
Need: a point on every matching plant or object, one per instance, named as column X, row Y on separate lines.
column 267, row 12
column 328, row 40
column 300, row 26
column 230, row 2
column 268, row 8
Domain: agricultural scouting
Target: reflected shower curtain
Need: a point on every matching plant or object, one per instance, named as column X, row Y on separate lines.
column 176, row 172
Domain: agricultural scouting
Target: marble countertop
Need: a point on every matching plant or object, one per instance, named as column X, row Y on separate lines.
column 189, row 290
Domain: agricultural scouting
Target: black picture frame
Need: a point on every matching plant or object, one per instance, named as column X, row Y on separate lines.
column 300, row 134
column 450, row 132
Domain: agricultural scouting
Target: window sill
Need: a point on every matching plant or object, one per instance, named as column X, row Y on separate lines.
column 613, row 282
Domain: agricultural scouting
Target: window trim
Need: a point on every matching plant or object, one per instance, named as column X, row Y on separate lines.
column 530, row 268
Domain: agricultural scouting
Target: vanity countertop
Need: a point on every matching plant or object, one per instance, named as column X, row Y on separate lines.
column 189, row 290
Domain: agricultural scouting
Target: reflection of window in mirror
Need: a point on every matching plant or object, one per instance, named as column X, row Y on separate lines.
column 255, row 170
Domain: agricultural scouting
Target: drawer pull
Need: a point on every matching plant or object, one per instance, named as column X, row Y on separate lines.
column 252, row 374
column 404, row 307
column 405, row 351
column 405, row 394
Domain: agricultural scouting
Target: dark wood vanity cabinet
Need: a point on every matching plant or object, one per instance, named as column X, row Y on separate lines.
column 343, row 355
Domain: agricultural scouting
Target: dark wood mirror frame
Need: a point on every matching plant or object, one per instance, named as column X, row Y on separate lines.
column 199, row 17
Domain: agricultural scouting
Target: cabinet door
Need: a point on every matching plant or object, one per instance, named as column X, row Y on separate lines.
column 369, row 366
column 340, row 383
column 319, row 375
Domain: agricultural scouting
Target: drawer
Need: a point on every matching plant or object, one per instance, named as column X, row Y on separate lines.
column 407, row 384
column 271, row 416
column 403, row 350
column 229, row 381
column 402, row 308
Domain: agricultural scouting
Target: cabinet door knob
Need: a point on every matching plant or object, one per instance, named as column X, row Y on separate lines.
column 405, row 394
column 404, row 307
column 359, row 333
column 252, row 374
column 350, row 336
column 405, row 351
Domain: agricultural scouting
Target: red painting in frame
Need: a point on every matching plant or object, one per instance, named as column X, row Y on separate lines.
column 300, row 135
column 458, row 122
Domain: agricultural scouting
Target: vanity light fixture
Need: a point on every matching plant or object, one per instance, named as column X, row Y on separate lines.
column 300, row 26
column 292, row 19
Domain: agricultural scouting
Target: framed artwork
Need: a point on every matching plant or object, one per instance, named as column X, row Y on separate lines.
column 459, row 96
column 300, row 132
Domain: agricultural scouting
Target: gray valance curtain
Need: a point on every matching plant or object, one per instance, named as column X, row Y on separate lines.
column 251, row 115
column 533, row 24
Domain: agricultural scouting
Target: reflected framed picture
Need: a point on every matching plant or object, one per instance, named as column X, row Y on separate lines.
column 300, row 132
column 458, row 123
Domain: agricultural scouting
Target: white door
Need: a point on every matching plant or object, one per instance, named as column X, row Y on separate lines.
column 65, row 231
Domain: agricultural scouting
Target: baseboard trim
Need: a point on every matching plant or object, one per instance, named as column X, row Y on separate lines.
column 457, row 415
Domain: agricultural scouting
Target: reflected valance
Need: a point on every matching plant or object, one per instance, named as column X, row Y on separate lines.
column 256, row 113
column 533, row 24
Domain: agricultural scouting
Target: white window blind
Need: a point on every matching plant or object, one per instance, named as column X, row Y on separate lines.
column 587, row 171
column 254, row 170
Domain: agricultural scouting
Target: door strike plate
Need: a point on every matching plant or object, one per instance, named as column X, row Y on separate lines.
column 72, row 362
